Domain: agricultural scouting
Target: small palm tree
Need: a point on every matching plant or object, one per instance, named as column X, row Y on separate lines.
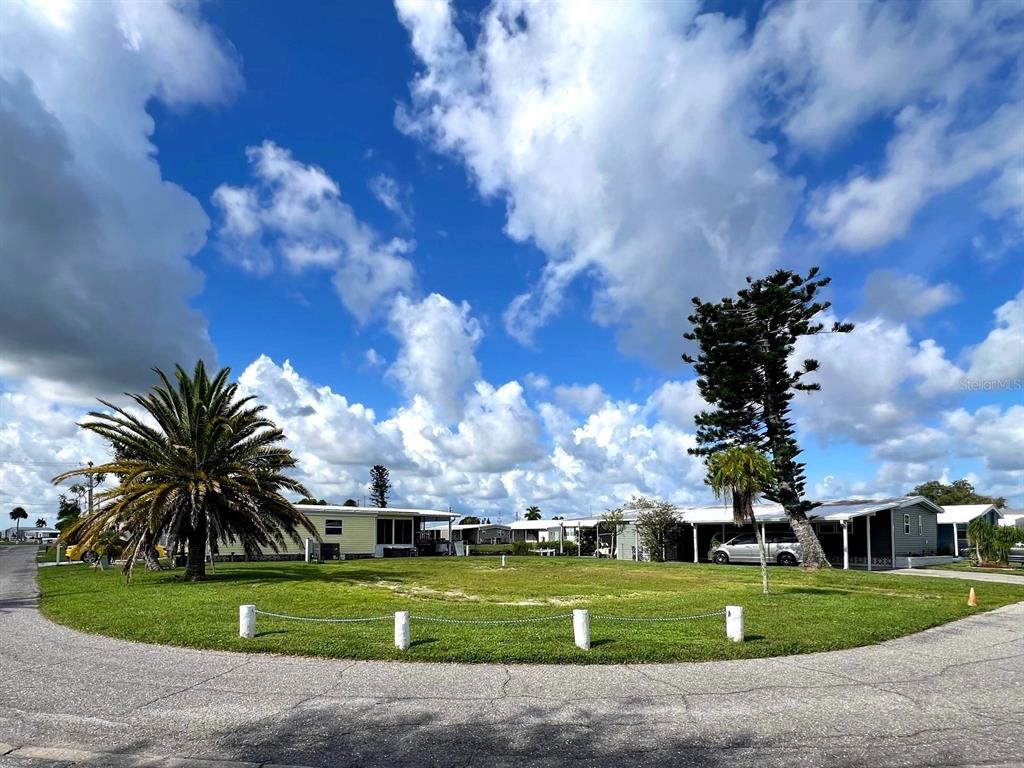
column 532, row 513
column 41, row 522
column 742, row 472
column 206, row 466
column 17, row 515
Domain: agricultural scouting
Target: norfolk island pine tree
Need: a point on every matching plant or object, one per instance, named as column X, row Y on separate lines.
column 743, row 372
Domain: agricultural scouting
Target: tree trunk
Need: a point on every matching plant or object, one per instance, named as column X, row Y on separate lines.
column 811, row 551
column 764, row 557
column 195, row 565
column 151, row 558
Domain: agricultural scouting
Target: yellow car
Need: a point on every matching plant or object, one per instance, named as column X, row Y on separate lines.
column 78, row 552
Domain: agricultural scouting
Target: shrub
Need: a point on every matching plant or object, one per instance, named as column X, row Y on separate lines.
column 991, row 543
column 522, row 548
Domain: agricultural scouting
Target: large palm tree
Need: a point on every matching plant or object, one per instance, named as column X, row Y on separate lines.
column 742, row 472
column 532, row 513
column 17, row 515
column 201, row 465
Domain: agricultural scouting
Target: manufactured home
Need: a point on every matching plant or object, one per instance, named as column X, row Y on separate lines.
column 954, row 520
column 873, row 534
column 470, row 533
column 535, row 530
column 356, row 532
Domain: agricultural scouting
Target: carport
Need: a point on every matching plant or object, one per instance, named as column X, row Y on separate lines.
column 871, row 534
column 953, row 522
column 709, row 523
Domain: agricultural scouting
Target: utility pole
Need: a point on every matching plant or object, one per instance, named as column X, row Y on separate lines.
column 90, row 488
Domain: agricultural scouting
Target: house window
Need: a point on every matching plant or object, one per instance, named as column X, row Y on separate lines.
column 332, row 527
column 403, row 531
column 920, row 525
column 394, row 532
column 827, row 528
column 906, row 524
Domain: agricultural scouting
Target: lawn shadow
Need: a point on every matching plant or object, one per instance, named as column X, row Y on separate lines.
column 273, row 632
column 422, row 641
column 258, row 575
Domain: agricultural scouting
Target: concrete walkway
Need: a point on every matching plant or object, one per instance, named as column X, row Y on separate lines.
column 997, row 578
column 950, row 696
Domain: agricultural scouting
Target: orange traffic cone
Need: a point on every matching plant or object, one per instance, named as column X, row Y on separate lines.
column 972, row 599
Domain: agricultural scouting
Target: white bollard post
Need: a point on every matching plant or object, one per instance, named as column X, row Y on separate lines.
column 309, row 549
column 247, row 621
column 58, row 554
column 502, row 561
column 581, row 628
column 402, row 630
column 734, row 623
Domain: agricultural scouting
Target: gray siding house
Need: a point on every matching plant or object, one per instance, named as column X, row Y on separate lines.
column 953, row 522
column 874, row 534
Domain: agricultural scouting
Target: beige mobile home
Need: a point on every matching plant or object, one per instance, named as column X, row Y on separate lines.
column 355, row 532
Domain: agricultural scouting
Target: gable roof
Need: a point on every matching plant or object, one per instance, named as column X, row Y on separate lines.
column 964, row 513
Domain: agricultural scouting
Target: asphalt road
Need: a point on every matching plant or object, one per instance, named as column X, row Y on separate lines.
column 994, row 578
column 950, row 696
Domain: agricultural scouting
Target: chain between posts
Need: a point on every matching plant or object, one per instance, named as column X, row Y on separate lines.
column 659, row 618
column 389, row 617
column 438, row 620
column 492, row 622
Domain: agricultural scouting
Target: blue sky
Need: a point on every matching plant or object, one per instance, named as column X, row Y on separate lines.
column 473, row 231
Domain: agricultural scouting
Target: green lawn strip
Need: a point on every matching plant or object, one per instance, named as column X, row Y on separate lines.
column 805, row 612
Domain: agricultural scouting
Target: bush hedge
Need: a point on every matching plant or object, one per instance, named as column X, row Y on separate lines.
column 522, row 548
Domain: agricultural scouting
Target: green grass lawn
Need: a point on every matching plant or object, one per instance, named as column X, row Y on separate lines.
column 806, row 611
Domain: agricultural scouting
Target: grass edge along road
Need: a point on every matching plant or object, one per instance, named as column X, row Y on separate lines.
column 807, row 612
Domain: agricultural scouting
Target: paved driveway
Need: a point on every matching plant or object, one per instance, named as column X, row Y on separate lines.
column 996, row 578
column 949, row 696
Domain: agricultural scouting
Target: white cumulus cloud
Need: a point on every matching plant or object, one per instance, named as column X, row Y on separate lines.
column 437, row 355
column 95, row 272
column 636, row 164
column 1000, row 357
column 295, row 210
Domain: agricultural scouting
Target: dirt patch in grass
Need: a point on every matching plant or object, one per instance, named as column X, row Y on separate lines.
column 561, row 601
column 418, row 591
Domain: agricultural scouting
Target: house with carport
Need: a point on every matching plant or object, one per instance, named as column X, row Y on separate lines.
column 470, row 533
column 954, row 520
column 871, row 534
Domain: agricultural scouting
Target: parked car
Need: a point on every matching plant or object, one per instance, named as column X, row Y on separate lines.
column 78, row 552
column 1017, row 553
column 782, row 548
